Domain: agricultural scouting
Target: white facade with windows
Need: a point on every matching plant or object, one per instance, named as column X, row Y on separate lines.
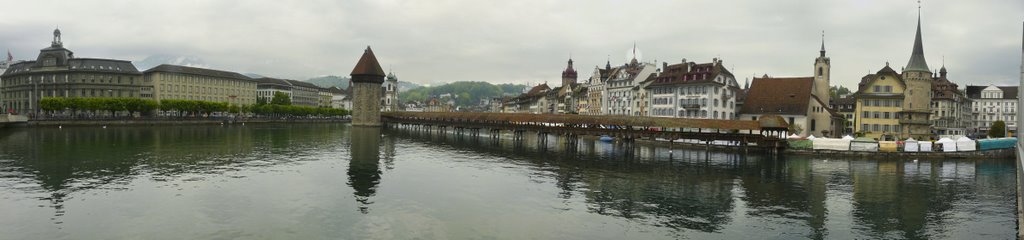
column 689, row 90
column 993, row 103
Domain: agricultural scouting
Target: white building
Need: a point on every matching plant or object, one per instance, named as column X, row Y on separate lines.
column 340, row 98
column 622, row 89
column 267, row 87
column 992, row 103
column 389, row 100
column 690, row 90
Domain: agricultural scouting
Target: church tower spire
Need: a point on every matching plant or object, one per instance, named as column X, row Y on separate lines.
column 917, row 96
column 822, row 72
column 917, row 61
column 822, row 44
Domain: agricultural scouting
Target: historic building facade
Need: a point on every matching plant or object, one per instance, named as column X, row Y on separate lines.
column 951, row 109
column 880, row 101
column 595, row 91
column 895, row 106
column 622, row 90
column 691, row 90
column 802, row 101
column 56, row 72
column 993, row 103
column 191, row 83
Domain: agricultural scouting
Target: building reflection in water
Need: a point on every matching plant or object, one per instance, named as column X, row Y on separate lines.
column 702, row 191
column 364, row 167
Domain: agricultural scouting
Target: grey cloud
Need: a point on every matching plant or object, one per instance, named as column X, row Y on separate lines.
column 529, row 41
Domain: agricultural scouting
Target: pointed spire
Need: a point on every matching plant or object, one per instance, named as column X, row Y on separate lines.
column 822, row 43
column 917, row 61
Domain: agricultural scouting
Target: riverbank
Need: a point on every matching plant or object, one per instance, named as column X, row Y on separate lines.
column 984, row 154
column 1007, row 153
column 165, row 122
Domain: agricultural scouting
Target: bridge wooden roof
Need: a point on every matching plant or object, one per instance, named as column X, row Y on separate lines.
column 585, row 119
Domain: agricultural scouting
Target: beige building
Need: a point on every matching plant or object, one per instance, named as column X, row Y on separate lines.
column 304, row 93
column 190, row 83
column 58, row 73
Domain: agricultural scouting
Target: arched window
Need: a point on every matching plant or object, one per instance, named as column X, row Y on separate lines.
column 821, row 71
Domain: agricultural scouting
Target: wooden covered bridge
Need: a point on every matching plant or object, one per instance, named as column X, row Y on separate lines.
column 768, row 132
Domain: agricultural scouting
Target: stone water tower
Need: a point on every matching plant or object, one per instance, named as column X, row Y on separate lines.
column 367, row 78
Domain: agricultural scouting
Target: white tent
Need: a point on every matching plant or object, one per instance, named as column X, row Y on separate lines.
column 911, row 145
column 830, row 144
column 948, row 145
column 925, row 146
column 848, row 137
column 810, row 137
column 965, row 144
column 794, row 136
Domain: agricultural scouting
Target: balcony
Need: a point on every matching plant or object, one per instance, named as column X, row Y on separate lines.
column 915, row 121
column 690, row 106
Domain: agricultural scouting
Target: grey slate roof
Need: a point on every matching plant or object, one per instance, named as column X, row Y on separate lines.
column 197, row 71
column 974, row 92
column 81, row 64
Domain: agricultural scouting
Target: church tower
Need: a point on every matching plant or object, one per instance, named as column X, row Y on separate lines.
column 822, row 68
column 917, row 97
column 569, row 75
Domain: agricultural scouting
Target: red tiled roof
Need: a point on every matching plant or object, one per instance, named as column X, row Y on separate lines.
column 687, row 73
column 784, row 96
column 368, row 64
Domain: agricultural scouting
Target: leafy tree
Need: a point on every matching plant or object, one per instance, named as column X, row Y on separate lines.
column 997, row 130
column 261, row 101
column 281, row 98
column 836, row 91
column 50, row 104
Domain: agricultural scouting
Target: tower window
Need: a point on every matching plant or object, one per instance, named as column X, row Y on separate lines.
column 821, row 71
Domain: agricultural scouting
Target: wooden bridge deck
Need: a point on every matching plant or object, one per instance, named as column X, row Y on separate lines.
column 625, row 127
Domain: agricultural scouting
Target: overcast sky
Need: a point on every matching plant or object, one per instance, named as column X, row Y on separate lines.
column 527, row 41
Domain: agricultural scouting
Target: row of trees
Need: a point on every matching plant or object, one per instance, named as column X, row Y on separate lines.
column 131, row 106
column 113, row 105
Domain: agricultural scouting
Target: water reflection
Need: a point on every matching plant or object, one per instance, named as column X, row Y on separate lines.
column 697, row 191
column 364, row 167
column 273, row 179
column 62, row 161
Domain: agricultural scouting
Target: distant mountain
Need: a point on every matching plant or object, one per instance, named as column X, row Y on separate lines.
column 155, row 60
column 330, row 81
column 406, row 86
column 253, row 75
column 464, row 93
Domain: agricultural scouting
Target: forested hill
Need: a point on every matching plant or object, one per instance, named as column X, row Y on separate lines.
column 464, row 93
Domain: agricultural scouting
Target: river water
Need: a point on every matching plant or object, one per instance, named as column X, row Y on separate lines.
column 334, row 181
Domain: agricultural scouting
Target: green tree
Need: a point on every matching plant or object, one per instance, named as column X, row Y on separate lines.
column 51, row 104
column 281, row 98
column 836, row 91
column 997, row 130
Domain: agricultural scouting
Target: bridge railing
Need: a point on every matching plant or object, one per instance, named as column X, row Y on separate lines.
column 616, row 126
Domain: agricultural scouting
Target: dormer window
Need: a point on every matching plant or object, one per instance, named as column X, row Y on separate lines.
column 49, row 61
